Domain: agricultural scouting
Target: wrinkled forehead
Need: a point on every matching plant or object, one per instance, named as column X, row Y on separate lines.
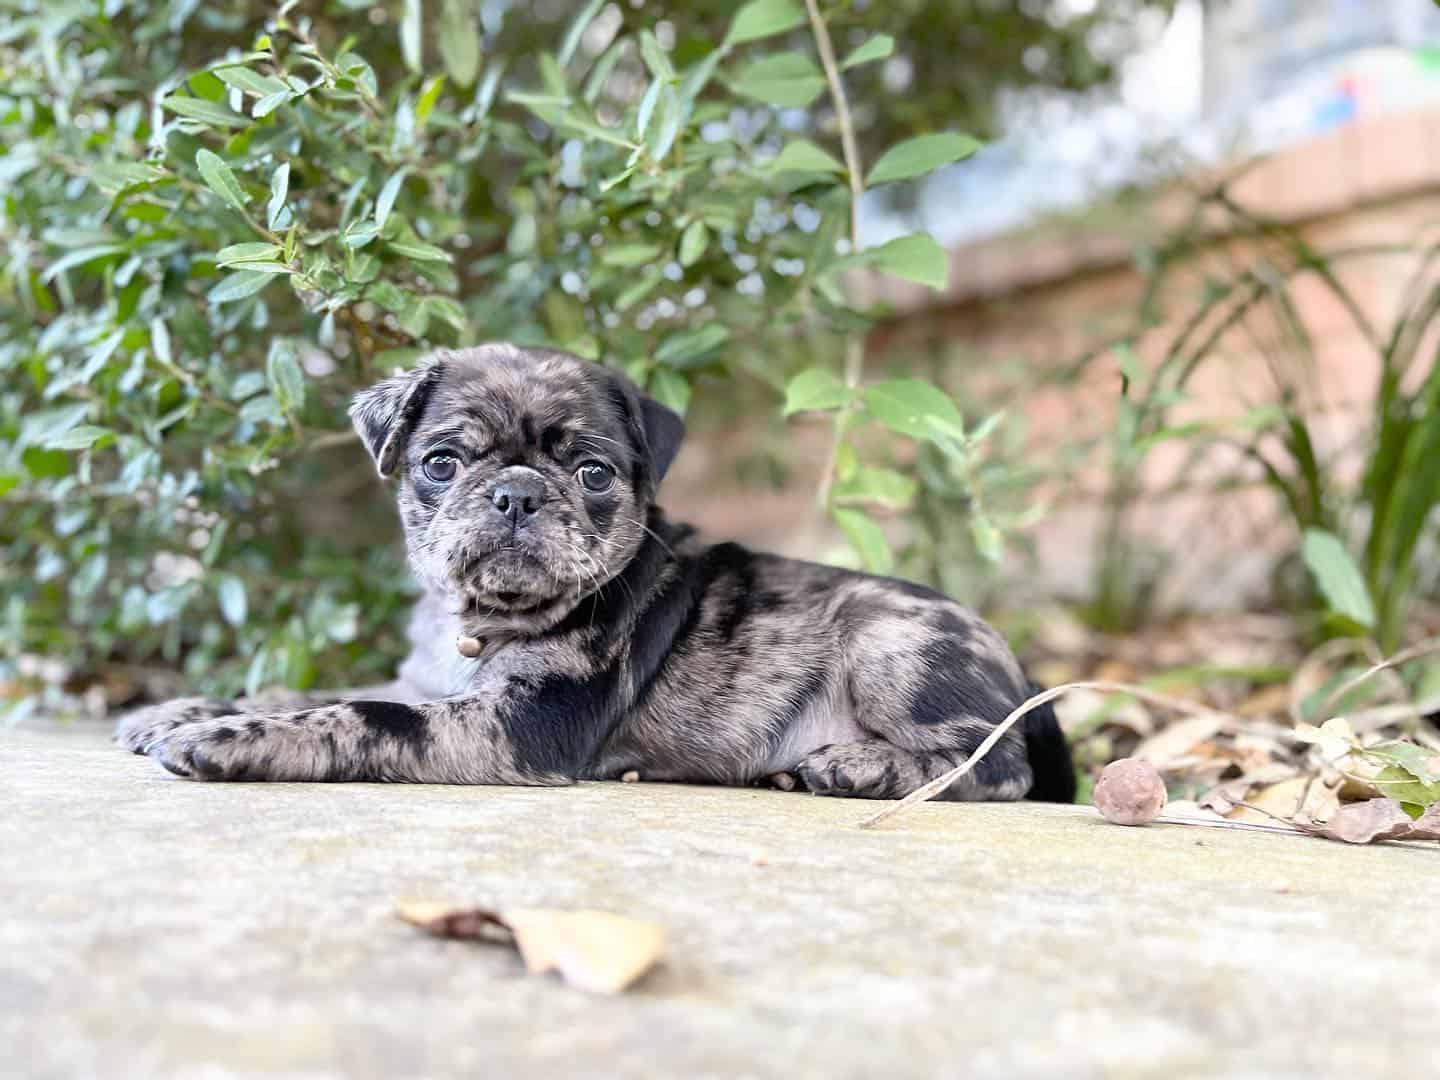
column 529, row 399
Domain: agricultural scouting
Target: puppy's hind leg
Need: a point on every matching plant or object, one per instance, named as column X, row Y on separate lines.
column 926, row 706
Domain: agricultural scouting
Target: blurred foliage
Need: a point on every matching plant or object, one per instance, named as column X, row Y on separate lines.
column 1363, row 514
column 219, row 221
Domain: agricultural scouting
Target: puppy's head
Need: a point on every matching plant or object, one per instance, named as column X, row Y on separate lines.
column 525, row 477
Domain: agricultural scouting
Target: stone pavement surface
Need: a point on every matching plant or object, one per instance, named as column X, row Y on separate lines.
column 153, row 927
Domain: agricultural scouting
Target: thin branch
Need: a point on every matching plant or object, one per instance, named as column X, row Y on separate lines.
column 1425, row 648
column 854, row 342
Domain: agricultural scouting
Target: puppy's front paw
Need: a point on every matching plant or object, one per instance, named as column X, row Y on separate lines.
column 859, row 770
column 205, row 750
column 137, row 731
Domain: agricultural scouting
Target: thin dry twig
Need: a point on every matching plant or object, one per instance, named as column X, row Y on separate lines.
column 940, row 783
column 1424, row 648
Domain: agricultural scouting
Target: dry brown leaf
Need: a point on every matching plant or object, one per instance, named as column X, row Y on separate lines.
column 1177, row 740
column 1364, row 822
column 1272, row 700
column 1284, row 800
column 1427, row 825
column 592, row 950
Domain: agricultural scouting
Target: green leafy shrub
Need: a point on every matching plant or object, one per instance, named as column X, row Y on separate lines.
column 219, row 223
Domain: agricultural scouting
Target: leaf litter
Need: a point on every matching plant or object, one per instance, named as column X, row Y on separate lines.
column 595, row 951
column 1247, row 731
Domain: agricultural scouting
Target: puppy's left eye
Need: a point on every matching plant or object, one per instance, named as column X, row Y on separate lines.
column 441, row 468
column 596, row 476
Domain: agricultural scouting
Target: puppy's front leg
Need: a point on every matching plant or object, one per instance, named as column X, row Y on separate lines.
column 455, row 741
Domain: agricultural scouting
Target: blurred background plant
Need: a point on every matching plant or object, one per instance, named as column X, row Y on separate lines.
column 219, row 222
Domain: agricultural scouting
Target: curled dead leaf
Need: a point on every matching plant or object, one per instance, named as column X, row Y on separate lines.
column 592, row 950
column 1365, row 822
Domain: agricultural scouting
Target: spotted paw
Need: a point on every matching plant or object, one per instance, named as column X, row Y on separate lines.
column 137, row 731
column 861, row 770
column 205, row 750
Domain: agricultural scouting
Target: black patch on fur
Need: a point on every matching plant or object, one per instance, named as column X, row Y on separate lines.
column 558, row 727
column 223, row 734
column 393, row 720
column 954, row 686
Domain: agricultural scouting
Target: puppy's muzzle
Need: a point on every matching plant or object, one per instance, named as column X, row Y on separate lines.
column 518, row 495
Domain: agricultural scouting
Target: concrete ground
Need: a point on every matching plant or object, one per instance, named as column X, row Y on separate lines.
column 153, row 927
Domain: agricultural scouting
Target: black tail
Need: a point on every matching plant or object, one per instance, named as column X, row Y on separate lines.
column 1049, row 756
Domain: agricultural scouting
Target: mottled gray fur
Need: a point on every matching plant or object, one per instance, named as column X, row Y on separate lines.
column 615, row 641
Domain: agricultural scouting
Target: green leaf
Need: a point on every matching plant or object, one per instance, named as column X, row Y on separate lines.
column 630, row 254
column 788, row 79
column 916, row 257
column 802, row 155
column 576, row 30
column 419, row 251
column 220, row 179
column 425, row 103
column 867, row 539
column 79, row 257
column 231, row 594
column 763, row 18
column 1419, row 762
column 250, row 82
column 248, row 252
column 1401, row 785
column 284, row 374
column 209, row 112
column 1339, row 578
column 359, row 233
column 693, row 242
column 41, row 428
column 815, row 389
column 641, row 288
column 987, row 538
column 80, row 438
column 689, row 348
column 870, row 483
column 160, row 339
column 655, row 58
column 239, row 285
column 459, row 41
column 670, row 389
column 276, row 214
column 410, row 26
column 919, row 155
column 385, row 201
column 269, row 103
column 879, row 47
column 910, row 406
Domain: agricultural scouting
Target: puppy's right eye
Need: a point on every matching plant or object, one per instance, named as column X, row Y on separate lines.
column 441, row 468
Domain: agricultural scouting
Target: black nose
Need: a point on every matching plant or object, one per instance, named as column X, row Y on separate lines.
column 518, row 497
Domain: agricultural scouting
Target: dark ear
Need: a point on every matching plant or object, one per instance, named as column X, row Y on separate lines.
column 655, row 430
column 664, row 431
column 385, row 414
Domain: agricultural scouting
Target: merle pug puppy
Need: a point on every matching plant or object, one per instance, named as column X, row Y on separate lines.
column 568, row 631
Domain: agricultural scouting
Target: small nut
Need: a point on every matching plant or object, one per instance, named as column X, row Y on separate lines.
column 469, row 647
column 630, row 777
column 1129, row 792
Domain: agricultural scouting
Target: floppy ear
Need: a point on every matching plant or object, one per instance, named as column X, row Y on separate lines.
column 385, row 414
column 655, row 430
column 664, row 430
